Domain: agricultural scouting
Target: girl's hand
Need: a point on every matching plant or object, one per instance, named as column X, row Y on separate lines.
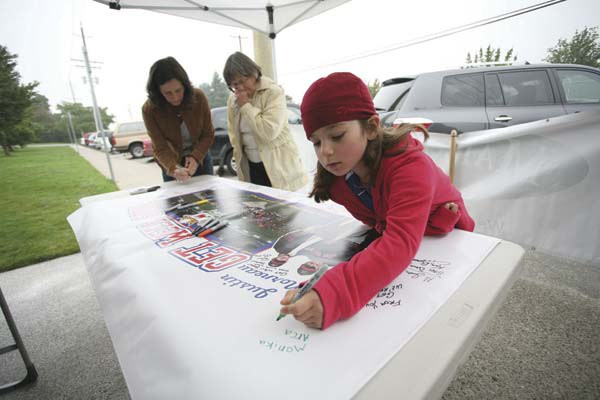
column 452, row 207
column 308, row 310
column 191, row 165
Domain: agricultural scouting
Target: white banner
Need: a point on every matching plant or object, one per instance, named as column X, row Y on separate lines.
column 195, row 317
column 536, row 184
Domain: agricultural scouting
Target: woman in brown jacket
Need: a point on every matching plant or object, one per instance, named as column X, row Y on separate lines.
column 177, row 118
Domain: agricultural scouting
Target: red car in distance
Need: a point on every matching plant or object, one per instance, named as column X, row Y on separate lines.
column 148, row 152
column 86, row 138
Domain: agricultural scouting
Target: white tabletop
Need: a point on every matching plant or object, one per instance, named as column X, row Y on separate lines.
column 424, row 367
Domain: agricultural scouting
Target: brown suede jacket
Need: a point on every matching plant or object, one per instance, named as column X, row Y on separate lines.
column 164, row 128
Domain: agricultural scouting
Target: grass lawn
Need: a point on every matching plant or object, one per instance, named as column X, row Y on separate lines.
column 41, row 186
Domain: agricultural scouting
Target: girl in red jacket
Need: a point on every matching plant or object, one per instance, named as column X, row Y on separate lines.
column 385, row 180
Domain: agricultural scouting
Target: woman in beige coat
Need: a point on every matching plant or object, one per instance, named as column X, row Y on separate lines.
column 263, row 147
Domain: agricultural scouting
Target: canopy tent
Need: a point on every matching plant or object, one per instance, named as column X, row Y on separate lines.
column 267, row 16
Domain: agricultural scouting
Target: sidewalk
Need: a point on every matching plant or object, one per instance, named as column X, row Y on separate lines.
column 544, row 343
column 129, row 173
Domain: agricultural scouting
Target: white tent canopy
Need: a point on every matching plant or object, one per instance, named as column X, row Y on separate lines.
column 268, row 17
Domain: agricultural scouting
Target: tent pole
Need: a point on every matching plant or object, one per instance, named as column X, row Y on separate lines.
column 453, row 135
column 263, row 54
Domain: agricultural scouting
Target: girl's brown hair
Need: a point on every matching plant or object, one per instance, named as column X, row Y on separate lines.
column 163, row 71
column 386, row 139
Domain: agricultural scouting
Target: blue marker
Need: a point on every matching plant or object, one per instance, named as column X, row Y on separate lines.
column 307, row 287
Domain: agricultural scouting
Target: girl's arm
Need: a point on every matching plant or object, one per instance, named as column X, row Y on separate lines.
column 345, row 289
column 268, row 122
column 443, row 220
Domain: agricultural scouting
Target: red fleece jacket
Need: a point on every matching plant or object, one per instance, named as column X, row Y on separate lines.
column 408, row 197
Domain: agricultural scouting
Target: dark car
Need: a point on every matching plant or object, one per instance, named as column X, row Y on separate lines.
column 221, row 150
column 474, row 99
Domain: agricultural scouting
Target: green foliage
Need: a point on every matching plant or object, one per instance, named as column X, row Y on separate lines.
column 15, row 99
column 25, row 115
column 374, row 87
column 34, row 205
column 82, row 118
column 491, row 57
column 583, row 48
column 217, row 92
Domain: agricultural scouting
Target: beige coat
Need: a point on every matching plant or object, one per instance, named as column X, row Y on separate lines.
column 266, row 115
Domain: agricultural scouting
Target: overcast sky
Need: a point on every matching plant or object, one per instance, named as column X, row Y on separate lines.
column 46, row 37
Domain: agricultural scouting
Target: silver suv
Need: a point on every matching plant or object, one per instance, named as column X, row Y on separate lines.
column 474, row 99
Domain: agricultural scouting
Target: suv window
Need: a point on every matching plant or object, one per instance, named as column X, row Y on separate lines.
column 580, row 86
column 526, row 88
column 132, row 127
column 493, row 91
column 463, row 90
column 390, row 97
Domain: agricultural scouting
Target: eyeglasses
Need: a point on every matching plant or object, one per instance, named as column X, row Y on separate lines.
column 238, row 82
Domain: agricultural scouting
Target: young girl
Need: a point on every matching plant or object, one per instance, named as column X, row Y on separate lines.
column 385, row 180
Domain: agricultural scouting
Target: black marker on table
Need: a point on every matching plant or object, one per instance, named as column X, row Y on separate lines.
column 144, row 190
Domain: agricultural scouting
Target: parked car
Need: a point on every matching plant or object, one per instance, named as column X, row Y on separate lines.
column 130, row 136
column 148, row 150
column 222, row 151
column 104, row 141
column 91, row 140
column 475, row 99
column 85, row 138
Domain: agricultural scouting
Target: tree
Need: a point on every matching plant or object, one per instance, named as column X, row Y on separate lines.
column 491, row 57
column 82, row 118
column 217, row 92
column 583, row 48
column 15, row 99
column 39, row 118
column 374, row 87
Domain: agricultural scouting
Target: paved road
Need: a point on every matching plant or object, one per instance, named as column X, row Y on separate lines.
column 544, row 342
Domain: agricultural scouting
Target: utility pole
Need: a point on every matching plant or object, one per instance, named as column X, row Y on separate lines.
column 72, row 91
column 239, row 38
column 72, row 131
column 97, row 116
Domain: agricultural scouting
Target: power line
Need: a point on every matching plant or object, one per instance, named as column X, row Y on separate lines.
column 438, row 35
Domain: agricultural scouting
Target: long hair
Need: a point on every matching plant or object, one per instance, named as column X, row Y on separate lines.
column 381, row 146
column 163, row 71
column 239, row 64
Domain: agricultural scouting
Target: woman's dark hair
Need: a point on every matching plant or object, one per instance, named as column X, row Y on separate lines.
column 386, row 139
column 163, row 71
column 239, row 64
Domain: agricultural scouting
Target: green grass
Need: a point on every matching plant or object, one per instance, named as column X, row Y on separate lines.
column 40, row 187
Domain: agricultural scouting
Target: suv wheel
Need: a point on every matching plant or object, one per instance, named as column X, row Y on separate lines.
column 230, row 163
column 136, row 150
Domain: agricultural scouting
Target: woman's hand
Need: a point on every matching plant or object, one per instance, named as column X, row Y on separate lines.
column 181, row 174
column 308, row 310
column 191, row 165
column 241, row 97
